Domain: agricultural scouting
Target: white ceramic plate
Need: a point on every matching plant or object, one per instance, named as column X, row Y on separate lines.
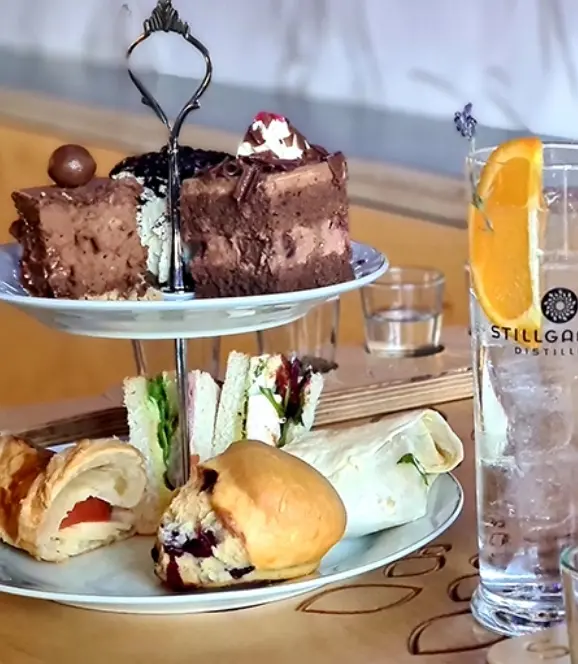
column 180, row 316
column 119, row 578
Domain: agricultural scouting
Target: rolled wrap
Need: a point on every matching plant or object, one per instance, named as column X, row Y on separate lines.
column 371, row 470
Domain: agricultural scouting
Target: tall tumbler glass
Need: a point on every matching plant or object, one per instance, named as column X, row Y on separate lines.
column 526, row 390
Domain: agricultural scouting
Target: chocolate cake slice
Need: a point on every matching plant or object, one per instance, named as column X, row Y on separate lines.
column 273, row 219
column 81, row 242
column 151, row 171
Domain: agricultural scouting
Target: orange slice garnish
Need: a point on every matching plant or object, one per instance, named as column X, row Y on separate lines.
column 504, row 220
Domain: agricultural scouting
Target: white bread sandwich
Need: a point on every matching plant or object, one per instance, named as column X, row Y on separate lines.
column 153, row 420
column 270, row 398
column 58, row 505
column 253, row 514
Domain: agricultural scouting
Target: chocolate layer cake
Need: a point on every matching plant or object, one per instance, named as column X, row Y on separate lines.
column 151, row 171
column 273, row 219
column 81, row 242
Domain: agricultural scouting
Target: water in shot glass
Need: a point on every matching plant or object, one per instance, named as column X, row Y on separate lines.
column 569, row 568
column 526, row 417
column 312, row 338
column 403, row 312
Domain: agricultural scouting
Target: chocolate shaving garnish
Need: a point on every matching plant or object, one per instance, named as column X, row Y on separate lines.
column 246, row 183
column 336, row 163
column 231, row 169
column 251, row 169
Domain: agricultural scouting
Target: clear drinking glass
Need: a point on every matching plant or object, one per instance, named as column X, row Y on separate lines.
column 312, row 337
column 403, row 312
column 569, row 568
column 526, row 419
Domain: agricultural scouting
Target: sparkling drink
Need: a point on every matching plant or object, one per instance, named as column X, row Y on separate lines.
column 526, row 410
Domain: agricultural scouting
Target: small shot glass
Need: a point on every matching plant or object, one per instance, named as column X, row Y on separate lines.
column 403, row 312
column 569, row 570
column 312, row 338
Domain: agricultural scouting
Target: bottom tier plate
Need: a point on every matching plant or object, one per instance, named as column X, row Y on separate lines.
column 120, row 578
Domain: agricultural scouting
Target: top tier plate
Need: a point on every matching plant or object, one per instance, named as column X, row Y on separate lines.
column 179, row 316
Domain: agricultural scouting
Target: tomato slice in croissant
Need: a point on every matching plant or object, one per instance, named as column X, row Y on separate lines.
column 59, row 505
column 91, row 510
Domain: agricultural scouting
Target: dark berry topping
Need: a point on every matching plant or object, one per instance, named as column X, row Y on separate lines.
column 153, row 167
column 173, row 574
column 240, row 572
column 202, row 545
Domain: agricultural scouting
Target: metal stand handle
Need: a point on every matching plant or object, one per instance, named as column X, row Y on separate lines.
column 139, row 358
column 165, row 18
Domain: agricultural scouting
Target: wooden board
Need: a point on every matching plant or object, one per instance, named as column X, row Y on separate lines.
column 362, row 386
column 365, row 385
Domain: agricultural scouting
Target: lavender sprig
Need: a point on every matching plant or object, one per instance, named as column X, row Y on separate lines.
column 466, row 124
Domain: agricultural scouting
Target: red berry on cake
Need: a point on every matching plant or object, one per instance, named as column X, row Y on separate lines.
column 266, row 118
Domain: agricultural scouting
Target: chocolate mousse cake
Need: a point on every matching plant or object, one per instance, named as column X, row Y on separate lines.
column 79, row 237
column 151, row 171
column 275, row 218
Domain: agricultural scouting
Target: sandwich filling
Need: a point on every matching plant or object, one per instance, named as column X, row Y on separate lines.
column 277, row 392
column 91, row 510
column 165, row 407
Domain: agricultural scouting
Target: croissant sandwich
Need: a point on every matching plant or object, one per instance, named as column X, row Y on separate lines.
column 250, row 515
column 58, row 505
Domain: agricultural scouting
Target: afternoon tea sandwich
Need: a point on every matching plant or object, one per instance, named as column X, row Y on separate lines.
column 252, row 514
column 59, row 505
column 153, row 420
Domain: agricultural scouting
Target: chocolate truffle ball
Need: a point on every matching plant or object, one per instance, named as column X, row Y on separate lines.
column 71, row 166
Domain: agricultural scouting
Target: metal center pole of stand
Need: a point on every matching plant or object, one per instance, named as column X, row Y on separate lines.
column 139, row 358
column 182, row 457
column 184, row 467
column 165, row 18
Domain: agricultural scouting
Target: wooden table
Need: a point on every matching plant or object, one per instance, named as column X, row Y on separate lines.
column 415, row 609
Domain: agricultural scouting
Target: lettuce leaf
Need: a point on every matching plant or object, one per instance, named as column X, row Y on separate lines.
column 168, row 415
column 411, row 459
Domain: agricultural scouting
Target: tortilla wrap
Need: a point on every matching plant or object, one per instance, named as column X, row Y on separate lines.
column 383, row 471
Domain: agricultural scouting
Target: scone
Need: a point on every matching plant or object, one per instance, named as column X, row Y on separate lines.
column 250, row 515
column 55, row 506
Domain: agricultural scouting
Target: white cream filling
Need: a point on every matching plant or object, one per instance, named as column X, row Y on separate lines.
column 274, row 136
column 154, row 230
column 263, row 422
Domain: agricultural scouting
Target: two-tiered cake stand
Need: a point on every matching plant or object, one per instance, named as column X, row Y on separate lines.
column 120, row 578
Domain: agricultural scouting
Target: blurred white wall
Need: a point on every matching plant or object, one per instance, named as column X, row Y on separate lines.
column 517, row 60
